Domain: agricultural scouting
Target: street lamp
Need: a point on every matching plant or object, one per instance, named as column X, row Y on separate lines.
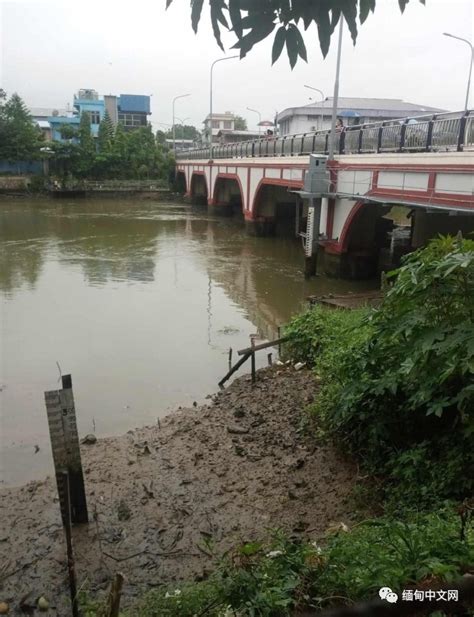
column 210, row 98
column 180, row 96
column 182, row 129
column 335, row 99
column 259, row 117
column 322, row 100
column 452, row 36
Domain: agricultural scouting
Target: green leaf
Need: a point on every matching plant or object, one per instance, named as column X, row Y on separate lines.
column 196, row 9
column 292, row 47
column 235, row 17
column 217, row 17
column 278, row 43
column 299, row 42
column 365, row 7
column 324, row 31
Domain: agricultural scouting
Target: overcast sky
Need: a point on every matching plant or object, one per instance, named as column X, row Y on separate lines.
column 50, row 49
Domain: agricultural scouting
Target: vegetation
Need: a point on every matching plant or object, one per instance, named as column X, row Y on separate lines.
column 240, row 124
column 397, row 387
column 118, row 154
column 20, row 139
column 186, row 131
column 252, row 22
column 273, row 580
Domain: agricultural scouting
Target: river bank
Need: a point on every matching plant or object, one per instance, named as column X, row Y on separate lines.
column 166, row 501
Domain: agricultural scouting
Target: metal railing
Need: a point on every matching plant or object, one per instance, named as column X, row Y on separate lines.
column 446, row 132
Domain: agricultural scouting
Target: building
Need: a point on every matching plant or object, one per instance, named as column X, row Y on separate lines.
column 229, row 137
column 317, row 116
column 130, row 110
column 220, row 122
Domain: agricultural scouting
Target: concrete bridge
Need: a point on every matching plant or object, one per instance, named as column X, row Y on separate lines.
column 426, row 165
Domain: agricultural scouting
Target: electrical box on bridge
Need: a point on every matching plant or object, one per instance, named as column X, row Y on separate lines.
column 316, row 180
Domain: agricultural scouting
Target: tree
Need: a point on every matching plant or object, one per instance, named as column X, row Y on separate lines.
column 253, row 21
column 186, row 131
column 67, row 131
column 20, row 138
column 240, row 124
column 106, row 133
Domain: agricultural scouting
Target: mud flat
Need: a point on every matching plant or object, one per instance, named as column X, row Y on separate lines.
column 166, row 501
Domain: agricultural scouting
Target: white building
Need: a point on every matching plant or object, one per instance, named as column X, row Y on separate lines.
column 219, row 122
column 317, row 116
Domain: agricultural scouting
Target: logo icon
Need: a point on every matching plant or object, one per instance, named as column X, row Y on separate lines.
column 387, row 594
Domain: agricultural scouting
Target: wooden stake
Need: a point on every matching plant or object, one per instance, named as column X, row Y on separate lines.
column 113, row 602
column 234, row 368
column 230, row 358
column 70, row 553
column 269, row 357
column 254, row 376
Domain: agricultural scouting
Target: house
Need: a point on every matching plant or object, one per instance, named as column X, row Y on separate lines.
column 40, row 116
column 219, row 122
column 227, row 136
column 130, row 110
column 351, row 110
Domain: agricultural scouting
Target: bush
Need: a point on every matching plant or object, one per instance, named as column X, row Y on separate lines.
column 397, row 385
column 276, row 579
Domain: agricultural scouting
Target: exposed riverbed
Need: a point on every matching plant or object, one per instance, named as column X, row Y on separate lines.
column 139, row 301
column 167, row 501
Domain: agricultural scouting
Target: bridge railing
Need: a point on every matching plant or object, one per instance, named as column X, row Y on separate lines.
column 451, row 131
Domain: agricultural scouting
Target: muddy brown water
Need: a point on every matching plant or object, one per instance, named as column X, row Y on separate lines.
column 139, row 301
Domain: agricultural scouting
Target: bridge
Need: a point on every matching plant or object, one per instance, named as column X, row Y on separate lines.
column 425, row 164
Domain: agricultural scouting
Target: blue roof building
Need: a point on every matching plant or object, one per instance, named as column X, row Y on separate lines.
column 130, row 110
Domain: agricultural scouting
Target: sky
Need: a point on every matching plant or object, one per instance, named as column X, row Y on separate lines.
column 51, row 48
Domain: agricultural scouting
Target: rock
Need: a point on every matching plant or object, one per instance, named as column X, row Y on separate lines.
column 4, row 608
column 89, row 439
column 299, row 365
column 233, row 429
column 239, row 413
column 43, row 604
column 239, row 450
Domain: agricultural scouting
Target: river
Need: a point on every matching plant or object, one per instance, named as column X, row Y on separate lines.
column 139, row 301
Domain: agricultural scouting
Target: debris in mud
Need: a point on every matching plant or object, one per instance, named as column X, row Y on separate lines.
column 89, row 439
column 237, row 430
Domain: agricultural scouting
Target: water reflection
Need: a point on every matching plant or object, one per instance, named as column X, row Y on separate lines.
column 139, row 301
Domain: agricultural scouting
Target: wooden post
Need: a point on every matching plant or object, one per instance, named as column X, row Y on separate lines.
column 230, row 358
column 252, row 344
column 234, row 368
column 70, row 553
column 113, row 602
column 269, row 357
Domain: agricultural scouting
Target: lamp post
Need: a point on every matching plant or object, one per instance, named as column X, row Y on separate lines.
column 182, row 129
column 210, row 99
column 335, row 99
column 322, row 100
column 453, row 36
column 180, row 96
column 259, row 117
